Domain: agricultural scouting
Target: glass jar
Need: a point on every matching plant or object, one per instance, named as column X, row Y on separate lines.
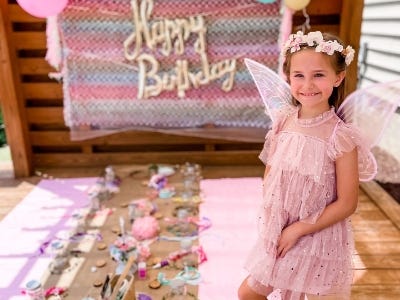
column 34, row 290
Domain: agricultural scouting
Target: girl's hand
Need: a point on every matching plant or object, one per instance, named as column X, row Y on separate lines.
column 289, row 238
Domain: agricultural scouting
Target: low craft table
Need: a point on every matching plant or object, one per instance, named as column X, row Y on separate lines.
column 79, row 278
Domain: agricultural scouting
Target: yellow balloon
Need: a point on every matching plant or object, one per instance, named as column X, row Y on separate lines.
column 296, row 4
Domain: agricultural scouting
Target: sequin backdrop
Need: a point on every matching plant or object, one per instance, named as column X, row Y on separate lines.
column 101, row 86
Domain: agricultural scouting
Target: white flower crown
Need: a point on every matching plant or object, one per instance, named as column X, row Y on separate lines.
column 315, row 39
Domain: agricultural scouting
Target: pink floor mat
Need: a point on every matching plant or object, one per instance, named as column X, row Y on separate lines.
column 42, row 216
column 231, row 204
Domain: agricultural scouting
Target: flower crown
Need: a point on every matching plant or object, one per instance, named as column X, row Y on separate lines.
column 315, row 39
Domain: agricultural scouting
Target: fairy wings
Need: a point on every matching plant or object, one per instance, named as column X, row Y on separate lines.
column 369, row 109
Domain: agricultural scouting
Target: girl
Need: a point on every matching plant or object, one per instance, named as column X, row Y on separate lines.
column 313, row 164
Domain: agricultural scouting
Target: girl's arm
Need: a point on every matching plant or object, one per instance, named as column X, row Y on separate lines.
column 344, row 206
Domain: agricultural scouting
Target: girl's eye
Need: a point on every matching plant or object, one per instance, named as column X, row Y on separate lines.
column 319, row 75
column 298, row 75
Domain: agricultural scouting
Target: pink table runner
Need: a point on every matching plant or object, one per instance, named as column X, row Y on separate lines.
column 231, row 204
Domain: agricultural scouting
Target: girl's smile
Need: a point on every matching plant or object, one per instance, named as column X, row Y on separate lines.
column 309, row 94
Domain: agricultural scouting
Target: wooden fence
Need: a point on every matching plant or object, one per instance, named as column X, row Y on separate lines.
column 32, row 103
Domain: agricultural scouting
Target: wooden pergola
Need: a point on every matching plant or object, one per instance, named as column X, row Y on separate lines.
column 32, row 104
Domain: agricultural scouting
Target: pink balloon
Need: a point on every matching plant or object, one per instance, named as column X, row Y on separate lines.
column 43, row 8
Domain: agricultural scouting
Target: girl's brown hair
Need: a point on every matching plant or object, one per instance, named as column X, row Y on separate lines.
column 338, row 63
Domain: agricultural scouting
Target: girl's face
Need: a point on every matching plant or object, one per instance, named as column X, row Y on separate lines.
column 312, row 79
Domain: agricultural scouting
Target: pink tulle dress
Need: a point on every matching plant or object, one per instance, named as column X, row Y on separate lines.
column 300, row 184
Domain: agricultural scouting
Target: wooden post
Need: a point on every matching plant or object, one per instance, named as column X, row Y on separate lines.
column 11, row 99
column 350, row 32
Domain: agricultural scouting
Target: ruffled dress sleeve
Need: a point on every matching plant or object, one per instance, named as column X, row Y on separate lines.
column 270, row 138
column 265, row 152
column 344, row 139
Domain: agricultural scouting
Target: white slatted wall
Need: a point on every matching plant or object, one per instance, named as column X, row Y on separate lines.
column 380, row 42
column 379, row 61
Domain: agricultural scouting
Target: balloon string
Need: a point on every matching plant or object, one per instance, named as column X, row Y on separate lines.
column 306, row 24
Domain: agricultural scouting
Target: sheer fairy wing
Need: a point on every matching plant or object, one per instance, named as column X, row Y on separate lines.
column 371, row 109
column 274, row 91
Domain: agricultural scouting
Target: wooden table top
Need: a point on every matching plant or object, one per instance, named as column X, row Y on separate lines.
column 79, row 277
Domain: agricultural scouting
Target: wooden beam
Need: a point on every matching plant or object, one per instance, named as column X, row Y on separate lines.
column 350, row 32
column 316, row 7
column 34, row 66
column 249, row 157
column 17, row 14
column 62, row 138
column 48, row 90
column 45, row 115
column 12, row 100
column 383, row 200
column 29, row 40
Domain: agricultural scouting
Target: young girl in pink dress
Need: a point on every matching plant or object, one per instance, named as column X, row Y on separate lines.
column 314, row 162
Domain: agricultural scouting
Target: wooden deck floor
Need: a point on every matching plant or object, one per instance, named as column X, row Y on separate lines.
column 376, row 226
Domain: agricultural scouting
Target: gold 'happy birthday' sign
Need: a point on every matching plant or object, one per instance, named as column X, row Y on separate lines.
column 169, row 36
